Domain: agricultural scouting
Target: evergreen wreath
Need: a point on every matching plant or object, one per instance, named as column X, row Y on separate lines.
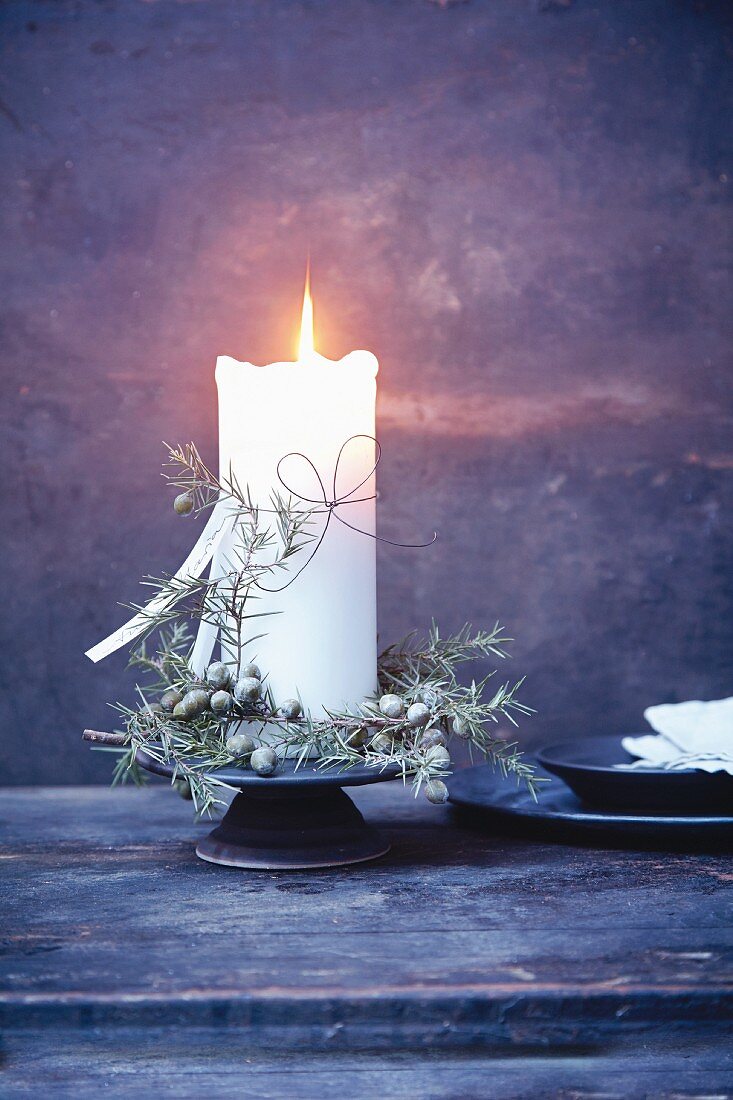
column 195, row 723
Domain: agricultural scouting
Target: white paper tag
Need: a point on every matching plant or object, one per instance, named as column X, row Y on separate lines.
column 218, row 524
column 203, row 647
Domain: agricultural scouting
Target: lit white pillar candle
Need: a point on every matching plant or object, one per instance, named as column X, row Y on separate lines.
column 320, row 643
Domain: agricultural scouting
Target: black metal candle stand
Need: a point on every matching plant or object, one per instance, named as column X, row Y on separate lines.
column 298, row 818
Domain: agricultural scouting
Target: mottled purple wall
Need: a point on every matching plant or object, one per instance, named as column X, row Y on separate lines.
column 519, row 206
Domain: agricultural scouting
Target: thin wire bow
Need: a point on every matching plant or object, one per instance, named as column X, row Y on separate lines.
column 330, row 506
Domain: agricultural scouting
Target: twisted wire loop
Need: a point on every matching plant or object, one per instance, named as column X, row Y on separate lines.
column 328, row 503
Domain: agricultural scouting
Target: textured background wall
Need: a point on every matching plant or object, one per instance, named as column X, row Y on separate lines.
column 520, row 206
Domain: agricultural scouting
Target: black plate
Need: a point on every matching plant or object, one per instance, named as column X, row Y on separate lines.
column 587, row 766
column 559, row 814
column 287, row 777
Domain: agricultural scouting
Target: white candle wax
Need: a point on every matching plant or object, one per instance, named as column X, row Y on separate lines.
column 320, row 643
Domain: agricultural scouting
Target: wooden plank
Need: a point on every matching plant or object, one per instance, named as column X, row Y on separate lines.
column 438, row 871
column 140, row 1063
column 90, row 960
column 456, row 939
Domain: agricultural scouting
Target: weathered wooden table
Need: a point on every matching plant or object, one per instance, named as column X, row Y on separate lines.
column 461, row 965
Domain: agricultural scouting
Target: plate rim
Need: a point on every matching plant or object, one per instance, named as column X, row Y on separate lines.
column 583, row 814
column 609, row 769
column 302, row 777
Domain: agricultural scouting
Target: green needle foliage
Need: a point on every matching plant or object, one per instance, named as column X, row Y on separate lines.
column 417, row 671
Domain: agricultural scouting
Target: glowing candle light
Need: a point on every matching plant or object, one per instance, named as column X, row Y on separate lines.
column 306, row 345
column 320, row 639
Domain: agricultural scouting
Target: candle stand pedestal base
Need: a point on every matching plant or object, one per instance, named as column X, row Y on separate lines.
column 277, row 831
column 293, row 820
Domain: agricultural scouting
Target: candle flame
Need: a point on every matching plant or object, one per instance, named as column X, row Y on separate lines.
column 306, row 348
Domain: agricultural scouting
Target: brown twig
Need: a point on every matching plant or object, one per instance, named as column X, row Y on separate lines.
column 104, row 738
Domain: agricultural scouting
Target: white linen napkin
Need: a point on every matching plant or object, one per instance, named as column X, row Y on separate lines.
column 689, row 735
